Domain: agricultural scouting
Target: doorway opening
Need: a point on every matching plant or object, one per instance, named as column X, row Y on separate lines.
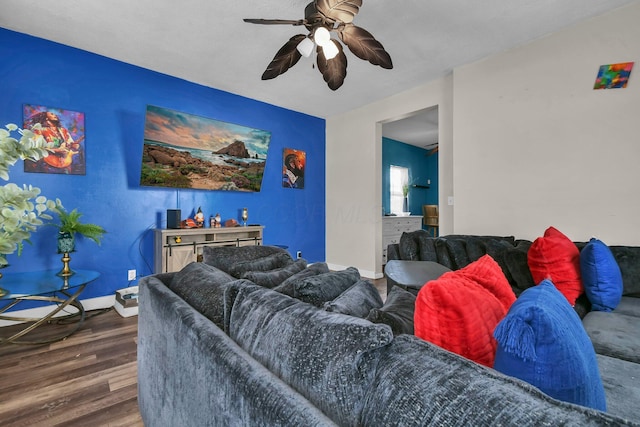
column 411, row 142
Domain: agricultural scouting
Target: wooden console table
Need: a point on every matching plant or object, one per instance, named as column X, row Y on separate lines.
column 175, row 248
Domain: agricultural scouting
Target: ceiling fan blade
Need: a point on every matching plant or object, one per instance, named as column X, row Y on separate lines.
column 312, row 16
column 287, row 57
column 275, row 21
column 339, row 10
column 365, row 46
column 333, row 70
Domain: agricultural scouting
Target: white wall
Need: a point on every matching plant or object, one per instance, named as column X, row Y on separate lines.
column 535, row 145
column 525, row 142
column 354, row 175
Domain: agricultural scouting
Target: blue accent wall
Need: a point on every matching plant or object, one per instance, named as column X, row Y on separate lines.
column 113, row 96
column 421, row 165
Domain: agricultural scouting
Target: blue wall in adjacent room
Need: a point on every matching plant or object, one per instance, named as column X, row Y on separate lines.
column 113, row 96
column 421, row 165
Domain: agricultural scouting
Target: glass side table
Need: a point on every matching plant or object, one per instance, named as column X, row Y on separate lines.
column 44, row 286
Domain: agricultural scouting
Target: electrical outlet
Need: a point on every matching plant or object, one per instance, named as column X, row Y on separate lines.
column 299, row 254
column 131, row 275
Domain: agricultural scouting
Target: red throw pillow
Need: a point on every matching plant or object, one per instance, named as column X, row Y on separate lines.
column 488, row 273
column 460, row 310
column 555, row 257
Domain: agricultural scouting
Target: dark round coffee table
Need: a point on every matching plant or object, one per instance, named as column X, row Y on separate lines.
column 412, row 275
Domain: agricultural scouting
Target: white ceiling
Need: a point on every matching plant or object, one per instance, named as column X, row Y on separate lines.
column 419, row 129
column 206, row 41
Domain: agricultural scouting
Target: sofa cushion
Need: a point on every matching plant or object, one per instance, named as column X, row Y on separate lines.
column 272, row 278
column 329, row 358
column 231, row 291
column 476, row 249
column 614, row 334
column 266, row 263
column 356, row 301
column 408, row 246
column 582, row 306
column 321, row 288
column 498, row 249
column 628, row 258
column 457, row 249
column 515, row 259
column 223, row 257
column 601, row 276
column 442, row 252
column 482, row 238
column 629, row 306
column 426, row 246
column 554, row 256
column 459, row 310
column 542, row 341
column 419, row 384
column 287, row 286
column 397, row 311
column 202, row 286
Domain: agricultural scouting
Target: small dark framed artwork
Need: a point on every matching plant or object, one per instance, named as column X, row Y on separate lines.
column 63, row 132
column 293, row 165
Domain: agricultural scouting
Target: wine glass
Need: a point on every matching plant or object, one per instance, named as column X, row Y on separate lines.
column 245, row 216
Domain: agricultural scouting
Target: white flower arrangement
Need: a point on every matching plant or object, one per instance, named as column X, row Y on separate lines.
column 23, row 209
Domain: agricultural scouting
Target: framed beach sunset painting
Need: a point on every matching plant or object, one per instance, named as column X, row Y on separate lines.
column 183, row 150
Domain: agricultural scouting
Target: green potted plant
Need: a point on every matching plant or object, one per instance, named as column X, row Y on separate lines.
column 23, row 208
column 69, row 225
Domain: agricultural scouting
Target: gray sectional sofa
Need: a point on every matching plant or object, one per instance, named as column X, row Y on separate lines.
column 615, row 335
column 217, row 349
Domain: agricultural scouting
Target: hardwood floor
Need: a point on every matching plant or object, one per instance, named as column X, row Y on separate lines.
column 88, row 379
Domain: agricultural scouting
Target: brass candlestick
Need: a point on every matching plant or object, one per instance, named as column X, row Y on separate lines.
column 66, row 271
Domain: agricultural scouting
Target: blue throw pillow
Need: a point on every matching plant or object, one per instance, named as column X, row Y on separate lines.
column 541, row 341
column 601, row 276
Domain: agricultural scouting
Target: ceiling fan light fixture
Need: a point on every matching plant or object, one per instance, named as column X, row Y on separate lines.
column 305, row 47
column 330, row 50
column 321, row 36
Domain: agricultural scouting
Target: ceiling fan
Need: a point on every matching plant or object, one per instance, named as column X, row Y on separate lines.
column 321, row 18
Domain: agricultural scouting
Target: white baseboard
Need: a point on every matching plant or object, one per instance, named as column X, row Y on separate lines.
column 97, row 303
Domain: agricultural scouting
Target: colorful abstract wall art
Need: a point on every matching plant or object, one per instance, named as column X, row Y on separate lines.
column 613, row 76
column 187, row 151
column 293, row 163
column 63, row 131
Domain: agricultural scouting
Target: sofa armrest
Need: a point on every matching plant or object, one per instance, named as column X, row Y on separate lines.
column 191, row 373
